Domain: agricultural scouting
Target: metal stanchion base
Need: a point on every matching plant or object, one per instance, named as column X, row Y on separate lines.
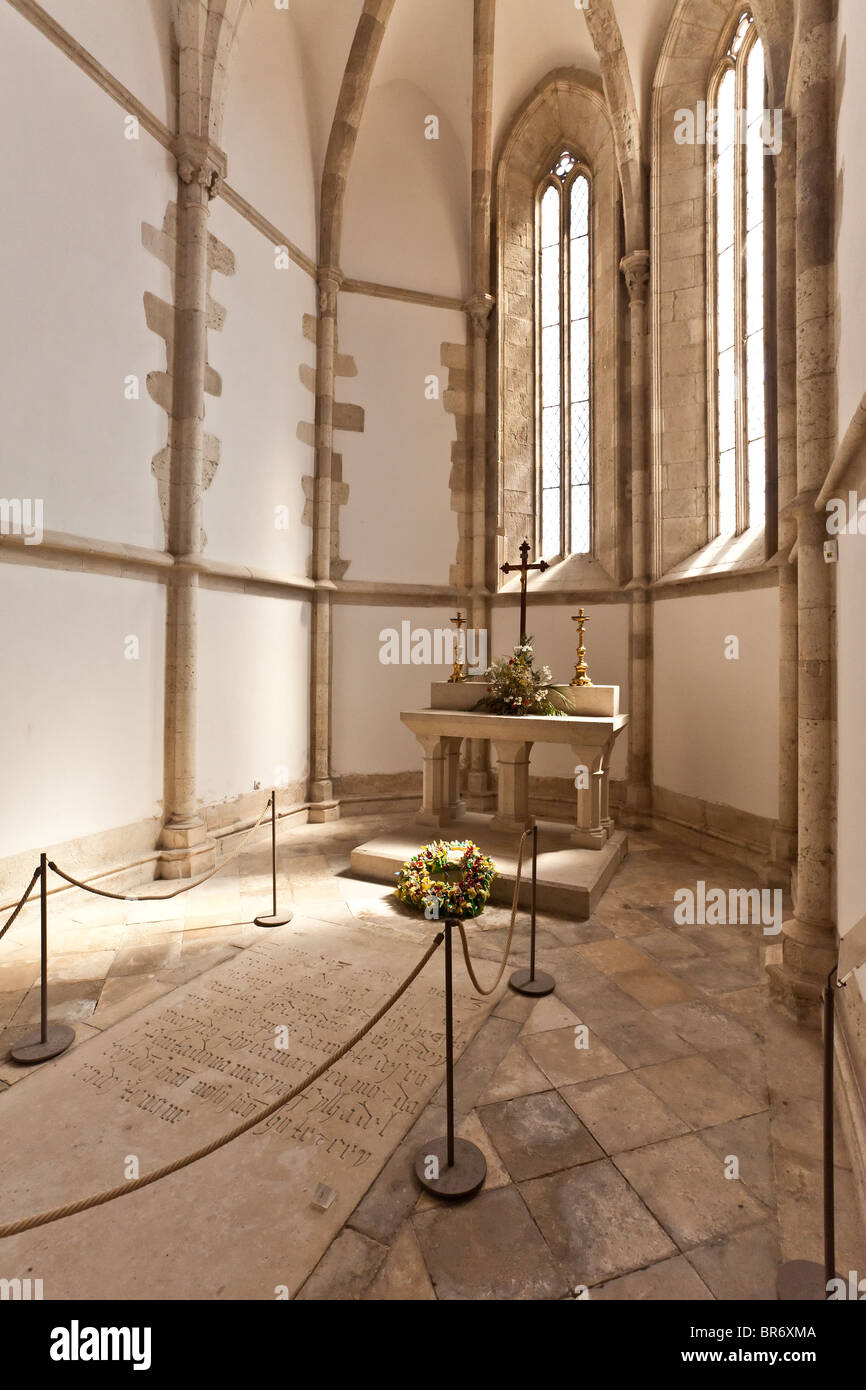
column 542, row 984
column 462, row 1179
column 279, row 920
column 801, row 1281
column 58, row 1036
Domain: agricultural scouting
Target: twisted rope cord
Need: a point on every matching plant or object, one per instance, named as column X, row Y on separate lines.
column 27, row 891
column 466, row 957
column 29, row 1223
column 162, row 897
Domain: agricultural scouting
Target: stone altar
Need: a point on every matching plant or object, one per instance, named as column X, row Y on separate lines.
column 591, row 740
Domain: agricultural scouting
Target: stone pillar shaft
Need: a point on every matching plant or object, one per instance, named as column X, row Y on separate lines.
column 184, row 843
column 635, row 268
column 808, row 942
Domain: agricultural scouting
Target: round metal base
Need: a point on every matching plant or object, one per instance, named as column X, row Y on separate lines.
column 542, row 984
column 279, row 920
column 801, row 1281
column 462, row 1179
column 58, row 1036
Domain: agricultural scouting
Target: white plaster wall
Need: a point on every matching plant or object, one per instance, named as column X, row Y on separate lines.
column 715, row 721
column 368, row 696
column 266, row 132
column 131, row 38
column 406, row 218
column 851, row 677
column 72, row 279
column 851, row 282
column 555, row 645
column 254, row 676
column 258, row 354
column 397, row 524
column 82, row 726
column 530, row 41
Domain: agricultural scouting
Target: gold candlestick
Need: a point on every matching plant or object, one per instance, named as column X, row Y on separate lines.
column 457, row 672
column 581, row 673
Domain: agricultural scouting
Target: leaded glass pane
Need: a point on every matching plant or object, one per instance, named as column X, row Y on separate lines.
column 726, row 301
column 727, row 398
column 755, row 280
column 551, row 374
column 550, row 227
column 725, row 184
column 757, row 483
column 580, row 520
column 580, row 277
column 755, row 83
column 551, row 520
column 580, row 206
column 727, row 493
column 727, row 113
column 580, row 443
column 755, row 367
column 580, row 360
column 550, row 302
column 551, row 447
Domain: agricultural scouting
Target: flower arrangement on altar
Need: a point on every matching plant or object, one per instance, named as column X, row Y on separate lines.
column 516, row 686
column 464, row 898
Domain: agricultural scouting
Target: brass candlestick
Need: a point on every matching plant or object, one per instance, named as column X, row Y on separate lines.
column 581, row 673
column 457, row 672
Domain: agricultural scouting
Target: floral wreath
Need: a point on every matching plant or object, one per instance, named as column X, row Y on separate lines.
column 464, row 899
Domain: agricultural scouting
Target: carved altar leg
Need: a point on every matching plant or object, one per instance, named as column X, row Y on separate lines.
column 440, row 799
column 592, row 828
column 512, row 811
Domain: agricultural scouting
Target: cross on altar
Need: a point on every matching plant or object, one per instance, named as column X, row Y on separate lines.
column 524, row 567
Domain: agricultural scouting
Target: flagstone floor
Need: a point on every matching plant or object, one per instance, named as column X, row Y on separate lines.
column 673, row 1153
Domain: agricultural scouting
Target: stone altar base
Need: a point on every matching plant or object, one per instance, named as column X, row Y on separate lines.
column 570, row 880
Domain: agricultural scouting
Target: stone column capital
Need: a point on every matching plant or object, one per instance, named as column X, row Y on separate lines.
column 479, row 308
column 330, row 281
column 636, row 269
column 200, row 162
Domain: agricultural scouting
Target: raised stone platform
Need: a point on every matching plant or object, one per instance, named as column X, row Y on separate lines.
column 570, row 880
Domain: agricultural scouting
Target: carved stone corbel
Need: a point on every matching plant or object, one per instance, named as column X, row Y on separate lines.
column 200, row 162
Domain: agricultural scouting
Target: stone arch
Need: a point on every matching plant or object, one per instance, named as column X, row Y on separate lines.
column 568, row 107
column 205, row 32
column 605, row 33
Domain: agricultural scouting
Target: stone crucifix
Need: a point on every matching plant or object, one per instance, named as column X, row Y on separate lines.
column 524, row 567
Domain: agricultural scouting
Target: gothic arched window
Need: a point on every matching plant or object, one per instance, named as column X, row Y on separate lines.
column 738, row 415
column 563, row 359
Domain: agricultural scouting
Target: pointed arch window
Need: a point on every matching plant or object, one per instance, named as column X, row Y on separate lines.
column 738, row 416
column 563, row 366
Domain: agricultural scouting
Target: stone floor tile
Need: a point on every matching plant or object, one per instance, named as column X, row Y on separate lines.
column 714, row 974
column 621, row 1113
column 473, row 1071
column 685, row 1187
column 86, row 965
column 746, row 1065
column 516, row 1075
column 595, row 1225
column 403, row 1275
column 488, row 1249
column 706, row 1026
column 346, row 1270
column 563, row 1062
column 665, row 946
column 671, row 1280
column 536, row 1135
column 548, row 1013
column 741, row 1266
column 748, row 1140
column 394, row 1193
column 698, row 1092
column 640, row 1041
column 147, row 960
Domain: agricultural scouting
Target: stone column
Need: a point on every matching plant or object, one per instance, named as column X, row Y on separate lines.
column 636, row 269
column 512, row 810
column 440, row 796
column 479, row 783
column 185, row 847
column 783, row 850
column 323, row 806
column 808, row 942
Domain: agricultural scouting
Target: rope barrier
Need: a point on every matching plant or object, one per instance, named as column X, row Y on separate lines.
column 466, row 957
column 27, row 891
column 162, row 897
column 29, row 1223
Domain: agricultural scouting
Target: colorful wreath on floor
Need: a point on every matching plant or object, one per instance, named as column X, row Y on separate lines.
column 417, row 885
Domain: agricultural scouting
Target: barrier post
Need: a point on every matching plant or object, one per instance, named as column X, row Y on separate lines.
column 450, row 1167
column 276, row 919
column 52, row 1038
column 532, row 981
